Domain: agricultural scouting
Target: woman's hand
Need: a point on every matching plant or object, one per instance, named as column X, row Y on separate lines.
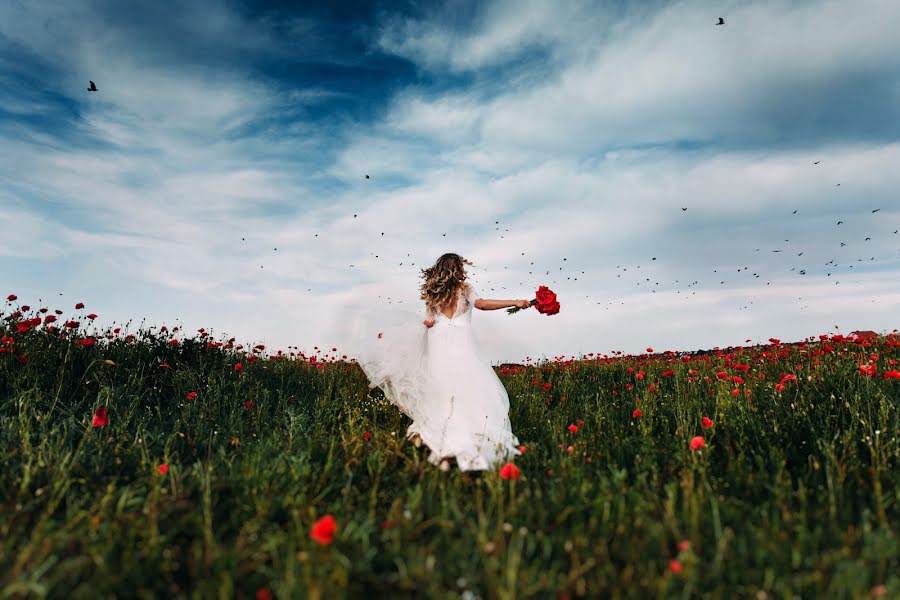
column 428, row 322
column 523, row 303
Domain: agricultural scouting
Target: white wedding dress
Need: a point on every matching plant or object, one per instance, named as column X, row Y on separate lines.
column 438, row 378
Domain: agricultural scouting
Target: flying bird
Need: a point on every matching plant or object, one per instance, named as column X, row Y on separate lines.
column 93, row 87
column 875, row 211
column 683, row 209
column 367, row 176
column 817, row 162
column 721, row 21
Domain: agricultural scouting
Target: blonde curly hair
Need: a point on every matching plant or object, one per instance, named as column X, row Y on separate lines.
column 442, row 280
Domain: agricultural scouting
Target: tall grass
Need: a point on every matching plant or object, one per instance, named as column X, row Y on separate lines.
column 795, row 493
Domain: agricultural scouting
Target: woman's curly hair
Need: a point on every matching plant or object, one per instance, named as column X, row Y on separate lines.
column 442, row 280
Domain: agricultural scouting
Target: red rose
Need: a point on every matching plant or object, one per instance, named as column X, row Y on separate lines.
column 544, row 295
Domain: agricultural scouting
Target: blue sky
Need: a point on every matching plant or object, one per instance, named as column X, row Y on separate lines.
column 553, row 143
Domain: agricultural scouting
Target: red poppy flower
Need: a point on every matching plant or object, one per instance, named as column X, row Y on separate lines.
column 192, row 395
column 573, row 428
column 79, row 306
column 893, row 374
column 367, row 436
column 779, row 387
column 263, row 594
column 173, row 342
column 49, row 319
column 570, row 449
column 509, row 471
column 668, row 373
column 101, row 418
column 88, row 342
column 636, row 413
column 684, row 545
column 649, row 349
column 164, row 365
column 697, row 442
column 868, row 370
column 239, row 367
column 11, row 298
column 675, row 566
column 522, row 449
column 737, row 380
column 163, row 468
column 323, row 530
column 546, row 386
column 722, row 375
column 706, row 422
column 775, row 340
column 92, row 316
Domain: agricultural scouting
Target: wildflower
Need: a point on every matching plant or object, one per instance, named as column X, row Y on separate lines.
column 164, row 365
column 192, row 395
column 775, row 340
column 239, row 367
column 675, row 566
column 779, row 387
column 684, row 546
column 11, row 298
column 522, row 449
column 668, row 373
column 706, row 422
column 868, row 370
column 248, row 404
column 173, row 342
column 101, row 418
column 92, row 316
column 636, row 413
column 893, row 374
column 697, row 442
column 509, row 471
column 367, row 436
column 649, row 349
column 323, row 530
column 573, row 428
column 570, row 449
column 546, row 386
column 722, row 375
column 263, row 594
column 163, row 468
column 79, row 306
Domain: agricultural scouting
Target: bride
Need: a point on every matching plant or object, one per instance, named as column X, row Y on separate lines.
column 436, row 375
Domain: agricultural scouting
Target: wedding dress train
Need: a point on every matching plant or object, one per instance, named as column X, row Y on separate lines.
column 438, row 378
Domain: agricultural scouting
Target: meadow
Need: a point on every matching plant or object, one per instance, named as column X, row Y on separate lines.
column 151, row 462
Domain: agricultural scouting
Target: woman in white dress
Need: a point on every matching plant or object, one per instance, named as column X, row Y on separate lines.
column 433, row 371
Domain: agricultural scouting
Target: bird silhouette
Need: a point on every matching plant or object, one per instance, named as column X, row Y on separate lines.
column 817, row 162
column 93, row 87
column 683, row 209
column 875, row 211
column 367, row 176
column 721, row 21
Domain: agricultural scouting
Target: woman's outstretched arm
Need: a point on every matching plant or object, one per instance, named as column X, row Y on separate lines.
column 488, row 304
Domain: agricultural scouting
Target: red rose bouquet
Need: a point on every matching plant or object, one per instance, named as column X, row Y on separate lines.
column 544, row 300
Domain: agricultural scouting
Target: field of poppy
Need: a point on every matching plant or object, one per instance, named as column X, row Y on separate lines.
column 155, row 463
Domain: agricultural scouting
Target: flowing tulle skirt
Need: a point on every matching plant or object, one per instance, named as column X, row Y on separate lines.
column 438, row 378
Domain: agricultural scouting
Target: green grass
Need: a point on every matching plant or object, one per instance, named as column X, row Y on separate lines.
column 795, row 494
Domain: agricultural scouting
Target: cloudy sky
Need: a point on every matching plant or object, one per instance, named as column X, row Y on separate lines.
column 550, row 143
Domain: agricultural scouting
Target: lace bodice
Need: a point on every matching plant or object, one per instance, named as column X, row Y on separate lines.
column 465, row 300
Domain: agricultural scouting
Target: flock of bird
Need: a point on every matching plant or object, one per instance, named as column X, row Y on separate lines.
column 547, row 275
